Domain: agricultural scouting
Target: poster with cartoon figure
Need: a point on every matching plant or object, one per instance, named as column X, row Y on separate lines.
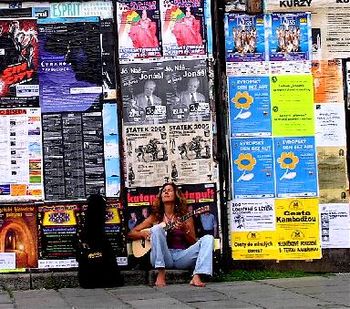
column 296, row 170
column 183, row 28
column 250, row 110
column 245, row 37
column 138, row 29
column 252, row 166
column 290, row 36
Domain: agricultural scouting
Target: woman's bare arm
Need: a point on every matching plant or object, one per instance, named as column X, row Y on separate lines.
column 137, row 233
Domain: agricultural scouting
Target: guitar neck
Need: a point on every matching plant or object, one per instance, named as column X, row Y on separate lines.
column 169, row 226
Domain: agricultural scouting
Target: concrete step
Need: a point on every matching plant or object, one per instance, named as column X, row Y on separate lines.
column 69, row 279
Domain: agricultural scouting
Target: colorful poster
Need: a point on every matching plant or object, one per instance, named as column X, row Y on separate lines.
column 330, row 125
column 19, row 62
column 190, row 152
column 292, row 105
column 254, row 245
column 295, row 163
column 332, row 174
column 73, row 155
column 111, row 149
column 183, row 28
column 146, row 155
column 328, row 81
column 250, row 110
column 297, row 222
column 252, row 215
column 335, row 225
column 187, row 90
column 142, row 87
column 245, row 37
column 138, row 29
column 139, row 203
column 290, row 36
column 70, row 64
column 21, row 154
column 57, row 226
column 252, row 168
column 201, row 198
column 18, row 235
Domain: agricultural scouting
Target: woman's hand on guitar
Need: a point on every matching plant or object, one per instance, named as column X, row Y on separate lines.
column 146, row 234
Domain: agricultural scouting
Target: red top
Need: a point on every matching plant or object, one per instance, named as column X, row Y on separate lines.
column 176, row 239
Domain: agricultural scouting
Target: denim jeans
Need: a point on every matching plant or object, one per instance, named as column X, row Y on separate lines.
column 198, row 256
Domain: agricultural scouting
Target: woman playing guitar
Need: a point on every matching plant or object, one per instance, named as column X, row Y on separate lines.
column 178, row 248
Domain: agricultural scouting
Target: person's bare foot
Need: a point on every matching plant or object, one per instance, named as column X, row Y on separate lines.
column 196, row 281
column 160, row 281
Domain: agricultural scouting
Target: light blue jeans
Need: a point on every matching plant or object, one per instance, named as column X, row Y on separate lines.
column 198, row 256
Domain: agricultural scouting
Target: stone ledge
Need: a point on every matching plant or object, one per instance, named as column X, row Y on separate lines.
column 69, row 279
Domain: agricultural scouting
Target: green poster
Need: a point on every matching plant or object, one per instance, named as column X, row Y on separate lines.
column 292, row 105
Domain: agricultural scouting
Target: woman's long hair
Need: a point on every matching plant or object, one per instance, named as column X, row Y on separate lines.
column 180, row 202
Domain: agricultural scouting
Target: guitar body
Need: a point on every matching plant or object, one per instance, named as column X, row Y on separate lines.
column 141, row 246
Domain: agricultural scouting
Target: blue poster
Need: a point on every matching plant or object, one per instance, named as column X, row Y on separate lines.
column 70, row 71
column 290, row 36
column 249, row 99
column 245, row 37
column 296, row 169
column 252, row 166
column 111, row 149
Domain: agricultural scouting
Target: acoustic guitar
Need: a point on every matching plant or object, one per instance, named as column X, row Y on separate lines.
column 141, row 246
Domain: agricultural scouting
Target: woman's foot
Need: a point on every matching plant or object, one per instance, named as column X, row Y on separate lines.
column 160, row 281
column 196, row 281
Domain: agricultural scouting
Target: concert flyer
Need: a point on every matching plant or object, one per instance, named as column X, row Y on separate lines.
column 187, row 90
column 18, row 236
column 19, row 52
column 142, row 87
column 245, row 37
column 138, row 29
column 146, row 150
column 70, row 64
column 190, row 152
column 57, row 227
column 183, row 28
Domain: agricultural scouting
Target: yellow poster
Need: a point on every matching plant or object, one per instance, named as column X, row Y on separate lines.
column 297, row 229
column 292, row 105
column 254, row 245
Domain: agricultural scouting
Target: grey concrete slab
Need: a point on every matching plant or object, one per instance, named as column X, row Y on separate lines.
column 5, row 298
column 79, row 292
column 96, row 302
column 160, row 303
column 301, row 282
column 39, row 299
column 7, row 306
column 194, row 294
column 224, row 304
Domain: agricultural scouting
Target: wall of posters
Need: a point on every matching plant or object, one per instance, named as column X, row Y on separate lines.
column 21, row 155
column 18, row 236
column 19, row 62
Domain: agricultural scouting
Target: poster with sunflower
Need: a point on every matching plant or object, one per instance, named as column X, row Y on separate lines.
column 250, row 109
column 253, row 171
column 296, row 170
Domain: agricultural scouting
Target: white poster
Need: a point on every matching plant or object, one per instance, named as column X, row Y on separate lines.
column 335, row 225
column 252, row 215
column 330, row 125
column 7, row 260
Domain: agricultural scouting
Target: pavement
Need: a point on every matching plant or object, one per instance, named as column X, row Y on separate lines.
column 332, row 291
